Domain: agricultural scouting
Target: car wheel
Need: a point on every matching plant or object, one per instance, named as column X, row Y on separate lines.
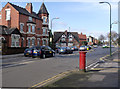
column 25, row 55
column 53, row 54
column 33, row 56
column 43, row 56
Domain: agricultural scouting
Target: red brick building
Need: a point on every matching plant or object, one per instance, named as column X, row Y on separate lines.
column 66, row 39
column 92, row 41
column 82, row 37
column 22, row 27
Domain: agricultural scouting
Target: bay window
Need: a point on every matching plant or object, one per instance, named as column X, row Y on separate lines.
column 29, row 28
column 15, row 40
column 44, row 19
column 28, row 42
column 33, row 29
column 44, row 31
column 33, row 41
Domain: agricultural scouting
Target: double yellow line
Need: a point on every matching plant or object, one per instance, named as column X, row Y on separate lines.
column 48, row 80
column 57, row 76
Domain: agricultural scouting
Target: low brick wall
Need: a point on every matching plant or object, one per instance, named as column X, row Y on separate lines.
column 13, row 50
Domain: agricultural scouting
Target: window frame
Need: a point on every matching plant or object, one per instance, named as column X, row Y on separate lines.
column 44, row 31
column 29, row 28
column 0, row 16
column 30, row 18
column 33, row 29
column 21, row 24
column 7, row 17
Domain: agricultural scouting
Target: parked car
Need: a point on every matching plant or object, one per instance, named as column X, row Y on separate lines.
column 65, row 50
column 28, row 52
column 105, row 46
column 74, row 48
column 46, row 51
column 83, row 48
column 41, row 51
column 57, row 49
column 95, row 46
column 89, row 47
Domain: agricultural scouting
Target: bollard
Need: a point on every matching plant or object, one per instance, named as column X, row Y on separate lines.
column 82, row 60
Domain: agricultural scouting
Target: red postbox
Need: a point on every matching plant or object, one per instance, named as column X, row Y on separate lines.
column 82, row 60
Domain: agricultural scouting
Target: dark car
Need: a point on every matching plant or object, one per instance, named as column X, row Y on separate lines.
column 74, row 48
column 46, row 51
column 65, row 50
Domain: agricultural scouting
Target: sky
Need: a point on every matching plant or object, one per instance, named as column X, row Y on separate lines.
column 86, row 16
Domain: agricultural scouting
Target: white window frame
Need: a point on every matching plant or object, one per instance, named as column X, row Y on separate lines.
column 8, row 15
column 29, row 42
column 44, row 19
column 33, row 28
column 30, row 18
column 63, row 39
column 33, row 41
column 21, row 24
column 38, row 41
column 15, row 40
column 0, row 16
column 70, row 39
column 63, row 36
column 29, row 28
column 70, row 36
column 45, row 39
column 44, row 31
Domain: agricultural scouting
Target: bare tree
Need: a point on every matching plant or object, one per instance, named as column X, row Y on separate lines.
column 114, row 37
column 101, row 38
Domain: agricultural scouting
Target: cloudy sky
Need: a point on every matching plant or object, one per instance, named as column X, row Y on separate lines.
column 86, row 16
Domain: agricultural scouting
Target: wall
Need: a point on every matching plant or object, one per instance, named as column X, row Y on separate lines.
column 12, row 50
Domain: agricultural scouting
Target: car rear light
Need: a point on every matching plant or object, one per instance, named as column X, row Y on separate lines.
column 31, row 51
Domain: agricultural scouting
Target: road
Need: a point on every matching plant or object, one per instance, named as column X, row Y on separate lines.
column 27, row 71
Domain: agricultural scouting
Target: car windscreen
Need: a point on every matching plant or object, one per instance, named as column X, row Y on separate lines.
column 63, row 48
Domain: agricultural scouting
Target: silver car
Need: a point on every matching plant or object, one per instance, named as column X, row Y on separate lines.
column 83, row 48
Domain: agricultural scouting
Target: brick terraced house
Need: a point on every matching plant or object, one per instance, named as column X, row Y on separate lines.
column 92, row 41
column 22, row 27
column 82, row 38
column 66, row 39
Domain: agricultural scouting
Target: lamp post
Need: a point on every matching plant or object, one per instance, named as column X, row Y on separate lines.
column 50, row 32
column 110, row 22
column 52, row 20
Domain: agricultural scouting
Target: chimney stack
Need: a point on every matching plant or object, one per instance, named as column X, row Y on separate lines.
column 29, row 7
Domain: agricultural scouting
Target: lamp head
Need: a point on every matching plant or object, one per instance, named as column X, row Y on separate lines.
column 57, row 17
column 101, row 2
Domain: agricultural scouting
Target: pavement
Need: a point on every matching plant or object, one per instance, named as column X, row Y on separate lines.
column 11, row 56
column 104, row 74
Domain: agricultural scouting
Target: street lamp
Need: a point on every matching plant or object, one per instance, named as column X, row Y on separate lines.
column 110, row 22
column 114, row 23
column 50, row 32
column 52, row 20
